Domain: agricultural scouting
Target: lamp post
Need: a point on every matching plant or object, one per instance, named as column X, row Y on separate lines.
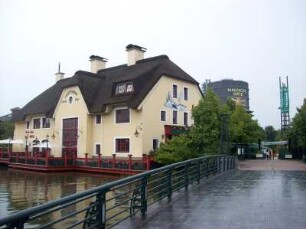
column 47, row 137
column 114, row 160
column 130, row 160
column 224, row 138
column 26, row 146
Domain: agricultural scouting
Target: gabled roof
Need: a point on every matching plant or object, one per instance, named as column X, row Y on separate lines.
column 98, row 89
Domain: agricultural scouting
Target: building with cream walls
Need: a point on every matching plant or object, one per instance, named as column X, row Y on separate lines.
column 124, row 110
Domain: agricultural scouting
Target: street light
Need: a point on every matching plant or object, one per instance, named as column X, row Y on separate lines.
column 47, row 137
column 26, row 138
column 224, row 133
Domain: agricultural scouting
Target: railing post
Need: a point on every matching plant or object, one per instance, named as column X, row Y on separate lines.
column 101, row 210
column 198, row 171
column 99, row 160
column 144, row 195
column 222, row 161
column 169, row 183
column 217, row 164
column 222, row 164
column 130, row 161
column 47, row 159
column 114, row 160
column 207, row 167
column 86, row 159
column 148, row 163
column 65, row 158
column 18, row 225
column 186, row 175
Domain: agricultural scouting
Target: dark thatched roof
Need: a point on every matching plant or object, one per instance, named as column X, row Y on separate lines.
column 98, row 89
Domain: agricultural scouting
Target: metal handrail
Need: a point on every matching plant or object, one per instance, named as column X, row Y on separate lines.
column 112, row 208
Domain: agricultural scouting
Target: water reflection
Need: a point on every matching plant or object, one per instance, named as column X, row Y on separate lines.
column 23, row 189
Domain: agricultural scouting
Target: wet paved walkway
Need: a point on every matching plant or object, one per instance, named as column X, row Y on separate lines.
column 261, row 195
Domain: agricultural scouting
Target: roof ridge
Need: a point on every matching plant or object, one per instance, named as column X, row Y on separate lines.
column 153, row 58
column 86, row 73
column 111, row 68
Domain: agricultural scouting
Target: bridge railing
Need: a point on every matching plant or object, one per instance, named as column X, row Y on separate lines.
column 111, row 203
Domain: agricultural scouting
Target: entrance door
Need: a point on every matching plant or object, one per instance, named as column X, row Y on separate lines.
column 70, row 137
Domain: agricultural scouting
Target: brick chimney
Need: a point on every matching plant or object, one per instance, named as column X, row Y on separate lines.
column 97, row 63
column 135, row 53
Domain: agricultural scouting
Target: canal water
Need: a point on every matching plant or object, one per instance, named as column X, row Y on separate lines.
column 24, row 189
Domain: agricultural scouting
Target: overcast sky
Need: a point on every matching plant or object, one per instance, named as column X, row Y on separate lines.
column 251, row 40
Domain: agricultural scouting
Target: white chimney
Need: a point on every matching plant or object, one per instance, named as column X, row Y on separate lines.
column 97, row 63
column 59, row 75
column 135, row 53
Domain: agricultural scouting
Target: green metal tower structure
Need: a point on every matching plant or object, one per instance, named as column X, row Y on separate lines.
column 284, row 104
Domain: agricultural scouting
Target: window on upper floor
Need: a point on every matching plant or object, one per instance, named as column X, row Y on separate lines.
column 163, row 116
column 122, row 115
column 36, row 123
column 174, row 118
column 124, row 88
column 98, row 119
column 122, row 145
column 46, row 123
column 185, row 93
column 27, row 125
column 174, row 91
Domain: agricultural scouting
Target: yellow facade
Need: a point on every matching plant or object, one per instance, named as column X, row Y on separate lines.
column 145, row 122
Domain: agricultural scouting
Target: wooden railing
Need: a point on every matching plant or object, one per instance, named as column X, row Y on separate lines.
column 39, row 160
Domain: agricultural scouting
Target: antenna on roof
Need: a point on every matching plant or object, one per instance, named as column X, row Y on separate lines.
column 59, row 75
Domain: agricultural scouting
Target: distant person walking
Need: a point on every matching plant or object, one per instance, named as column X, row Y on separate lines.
column 270, row 154
column 267, row 154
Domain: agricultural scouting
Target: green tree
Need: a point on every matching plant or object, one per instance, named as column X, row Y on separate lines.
column 243, row 129
column 297, row 133
column 271, row 133
column 177, row 149
column 6, row 130
column 202, row 138
column 205, row 133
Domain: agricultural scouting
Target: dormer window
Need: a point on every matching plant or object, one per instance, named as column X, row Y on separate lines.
column 124, row 88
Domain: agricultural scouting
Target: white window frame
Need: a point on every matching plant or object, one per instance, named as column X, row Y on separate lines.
column 42, row 123
column 96, row 119
column 115, row 116
column 122, row 137
column 28, row 127
column 158, row 143
column 177, row 117
column 177, row 91
column 95, row 148
column 187, row 93
column 165, row 116
column 188, row 122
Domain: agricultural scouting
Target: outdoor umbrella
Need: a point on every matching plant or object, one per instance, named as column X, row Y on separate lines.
column 43, row 145
column 11, row 141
